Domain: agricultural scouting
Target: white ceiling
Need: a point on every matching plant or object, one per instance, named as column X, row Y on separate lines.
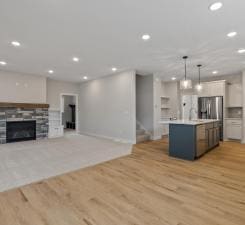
column 107, row 33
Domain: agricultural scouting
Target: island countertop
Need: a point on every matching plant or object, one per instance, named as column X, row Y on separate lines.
column 188, row 122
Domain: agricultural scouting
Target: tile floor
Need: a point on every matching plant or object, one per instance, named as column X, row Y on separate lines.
column 26, row 162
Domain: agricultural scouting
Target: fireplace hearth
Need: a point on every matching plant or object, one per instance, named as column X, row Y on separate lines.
column 20, row 131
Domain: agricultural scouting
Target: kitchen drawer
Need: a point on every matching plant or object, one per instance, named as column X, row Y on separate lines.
column 234, row 131
column 230, row 122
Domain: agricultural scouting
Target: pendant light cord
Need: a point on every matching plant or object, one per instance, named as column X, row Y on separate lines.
column 185, row 58
column 185, row 69
column 199, row 72
column 199, row 76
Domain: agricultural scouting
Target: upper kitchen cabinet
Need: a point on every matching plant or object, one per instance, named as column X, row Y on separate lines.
column 214, row 88
column 234, row 95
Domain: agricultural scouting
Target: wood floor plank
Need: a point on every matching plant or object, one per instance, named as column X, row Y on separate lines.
column 145, row 188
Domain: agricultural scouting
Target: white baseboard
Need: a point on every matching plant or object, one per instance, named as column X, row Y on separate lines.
column 109, row 138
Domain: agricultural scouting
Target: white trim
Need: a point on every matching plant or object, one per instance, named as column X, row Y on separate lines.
column 77, row 114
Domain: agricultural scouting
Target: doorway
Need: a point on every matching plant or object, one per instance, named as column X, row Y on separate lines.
column 69, row 112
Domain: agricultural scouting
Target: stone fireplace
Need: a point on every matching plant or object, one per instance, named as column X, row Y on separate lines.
column 21, row 121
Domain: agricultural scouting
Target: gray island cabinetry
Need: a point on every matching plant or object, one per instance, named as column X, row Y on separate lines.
column 191, row 139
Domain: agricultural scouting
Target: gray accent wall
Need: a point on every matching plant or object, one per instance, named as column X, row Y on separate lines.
column 107, row 107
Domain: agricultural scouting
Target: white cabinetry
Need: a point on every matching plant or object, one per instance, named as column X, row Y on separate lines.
column 55, row 127
column 234, row 98
column 214, row 88
column 234, row 129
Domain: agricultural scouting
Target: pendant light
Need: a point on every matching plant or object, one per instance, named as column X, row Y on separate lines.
column 199, row 86
column 185, row 84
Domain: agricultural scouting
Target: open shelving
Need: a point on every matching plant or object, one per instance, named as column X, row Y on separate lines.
column 165, row 107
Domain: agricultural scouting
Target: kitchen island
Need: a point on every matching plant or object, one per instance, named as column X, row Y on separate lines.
column 190, row 139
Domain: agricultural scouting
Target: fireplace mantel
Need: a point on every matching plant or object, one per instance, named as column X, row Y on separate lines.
column 23, row 105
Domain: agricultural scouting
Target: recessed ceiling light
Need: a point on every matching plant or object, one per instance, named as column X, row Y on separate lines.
column 232, row 34
column 114, row 69
column 173, row 78
column 85, row 77
column 51, row 71
column 3, row 63
column 15, row 43
column 146, row 37
column 215, row 6
column 215, row 72
column 242, row 50
column 75, row 59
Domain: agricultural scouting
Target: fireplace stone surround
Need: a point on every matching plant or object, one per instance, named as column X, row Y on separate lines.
column 24, row 112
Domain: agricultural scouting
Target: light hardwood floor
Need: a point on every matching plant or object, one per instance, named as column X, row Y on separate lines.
column 146, row 187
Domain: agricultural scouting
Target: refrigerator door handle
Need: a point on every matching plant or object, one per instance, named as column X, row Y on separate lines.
column 209, row 109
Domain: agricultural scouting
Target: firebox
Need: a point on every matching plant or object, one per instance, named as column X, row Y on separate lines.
column 21, row 130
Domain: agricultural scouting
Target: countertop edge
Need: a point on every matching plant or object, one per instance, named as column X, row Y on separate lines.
column 187, row 123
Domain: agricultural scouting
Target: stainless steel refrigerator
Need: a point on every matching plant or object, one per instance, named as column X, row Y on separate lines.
column 211, row 108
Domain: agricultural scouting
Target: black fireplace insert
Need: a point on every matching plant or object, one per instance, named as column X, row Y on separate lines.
column 21, row 130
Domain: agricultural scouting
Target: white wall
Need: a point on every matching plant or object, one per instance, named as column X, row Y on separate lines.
column 55, row 88
column 22, row 88
column 107, row 107
column 243, row 101
column 144, row 102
